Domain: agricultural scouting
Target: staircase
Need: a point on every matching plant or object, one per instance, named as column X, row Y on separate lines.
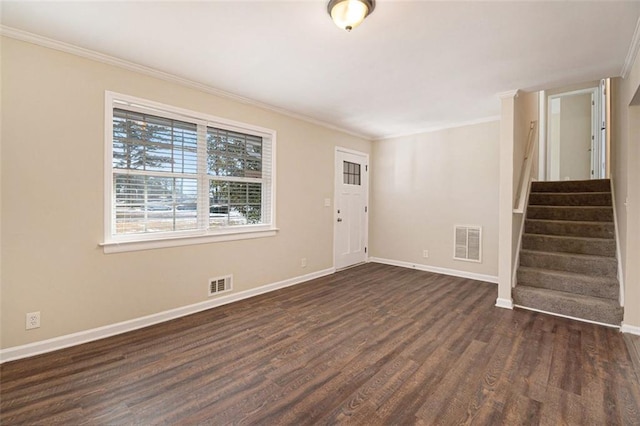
column 568, row 260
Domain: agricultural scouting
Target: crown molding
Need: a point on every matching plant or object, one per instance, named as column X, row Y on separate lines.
column 508, row 94
column 39, row 40
column 632, row 53
column 452, row 125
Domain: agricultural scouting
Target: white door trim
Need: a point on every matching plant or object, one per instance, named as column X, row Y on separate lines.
column 336, row 182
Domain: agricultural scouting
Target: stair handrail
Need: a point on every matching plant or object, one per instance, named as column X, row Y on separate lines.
column 525, row 172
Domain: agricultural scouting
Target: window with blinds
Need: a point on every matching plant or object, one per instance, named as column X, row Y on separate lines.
column 235, row 169
column 177, row 173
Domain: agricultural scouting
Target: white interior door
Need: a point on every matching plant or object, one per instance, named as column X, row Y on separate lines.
column 351, row 208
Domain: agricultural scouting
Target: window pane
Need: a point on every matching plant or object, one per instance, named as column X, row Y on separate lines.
column 154, row 204
column 351, row 173
column 233, row 154
column 234, row 203
column 147, row 142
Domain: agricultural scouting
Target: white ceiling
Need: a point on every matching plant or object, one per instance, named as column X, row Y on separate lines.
column 411, row 66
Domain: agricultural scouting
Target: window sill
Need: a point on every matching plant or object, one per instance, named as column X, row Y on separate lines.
column 183, row 240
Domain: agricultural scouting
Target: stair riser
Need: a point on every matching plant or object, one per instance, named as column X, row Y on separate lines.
column 569, row 245
column 600, row 185
column 553, row 199
column 595, row 214
column 600, row 313
column 576, row 285
column 599, row 267
column 571, row 229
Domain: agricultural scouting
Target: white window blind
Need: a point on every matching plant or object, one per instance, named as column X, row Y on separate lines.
column 175, row 173
column 237, row 176
column 155, row 176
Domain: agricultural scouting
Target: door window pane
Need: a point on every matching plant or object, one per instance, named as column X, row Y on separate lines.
column 351, row 173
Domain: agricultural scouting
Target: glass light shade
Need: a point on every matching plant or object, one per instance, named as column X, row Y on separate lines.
column 348, row 14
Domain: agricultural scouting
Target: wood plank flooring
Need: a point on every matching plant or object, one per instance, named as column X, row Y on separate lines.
column 633, row 346
column 371, row 345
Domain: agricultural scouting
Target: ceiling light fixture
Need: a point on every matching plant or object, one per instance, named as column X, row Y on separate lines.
column 348, row 14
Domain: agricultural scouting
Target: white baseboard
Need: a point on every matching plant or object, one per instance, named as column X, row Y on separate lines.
column 567, row 316
column 504, row 303
column 49, row 345
column 631, row 329
column 437, row 270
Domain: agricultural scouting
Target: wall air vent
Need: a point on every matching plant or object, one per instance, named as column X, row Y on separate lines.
column 467, row 243
column 220, row 285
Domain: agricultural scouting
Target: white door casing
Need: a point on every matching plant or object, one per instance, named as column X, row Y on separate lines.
column 351, row 207
column 602, row 129
column 595, row 142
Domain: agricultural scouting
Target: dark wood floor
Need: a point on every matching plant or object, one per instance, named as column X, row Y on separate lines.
column 370, row 345
column 633, row 346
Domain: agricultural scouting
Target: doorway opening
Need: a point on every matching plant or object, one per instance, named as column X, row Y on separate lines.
column 576, row 137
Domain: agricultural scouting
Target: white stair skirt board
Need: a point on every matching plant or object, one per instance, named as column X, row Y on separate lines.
column 631, row 329
column 444, row 271
column 61, row 342
column 567, row 316
column 504, row 303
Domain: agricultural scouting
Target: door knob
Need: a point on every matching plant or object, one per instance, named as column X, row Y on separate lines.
column 339, row 219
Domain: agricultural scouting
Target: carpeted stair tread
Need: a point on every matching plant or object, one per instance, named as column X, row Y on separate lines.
column 600, row 266
column 605, row 311
column 570, row 199
column 572, row 228
column 571, row 282
column 568, row 262
column 571, row 213
column 578, row 245
column 592, row 185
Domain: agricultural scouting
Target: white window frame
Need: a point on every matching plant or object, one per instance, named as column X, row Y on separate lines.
column 113, row 243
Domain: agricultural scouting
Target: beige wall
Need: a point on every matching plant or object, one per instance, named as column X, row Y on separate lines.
column 625, row 165
column 525, row 111
column 1, row 120
column 52, row 201
column 423, row 185
column 632, row 275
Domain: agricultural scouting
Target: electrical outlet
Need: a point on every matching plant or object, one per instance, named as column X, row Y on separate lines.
column 33, row 320
column 425, row 253
column 303, row 262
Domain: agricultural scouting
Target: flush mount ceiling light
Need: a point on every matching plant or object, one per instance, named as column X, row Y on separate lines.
column 348, row 14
